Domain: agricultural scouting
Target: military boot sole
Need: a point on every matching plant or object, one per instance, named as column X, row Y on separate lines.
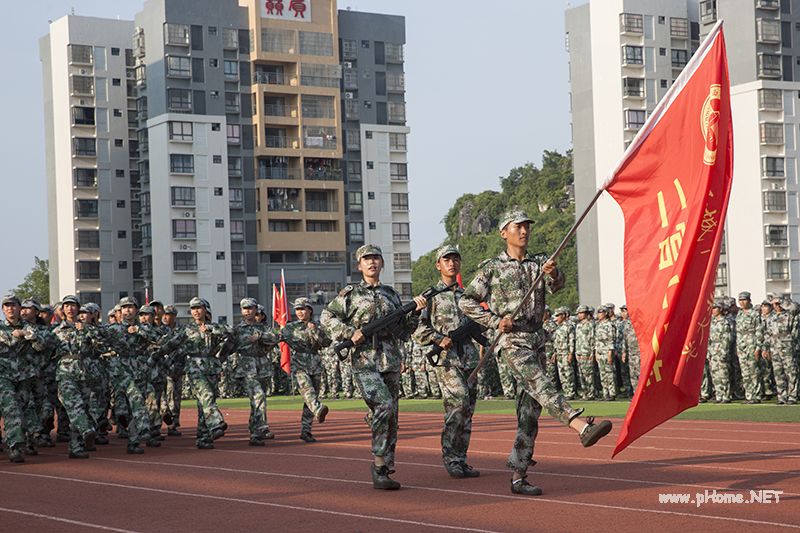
column 323, row 413
column 78, row 455
column 134, row 450
column 595, row 432
column 526, row 489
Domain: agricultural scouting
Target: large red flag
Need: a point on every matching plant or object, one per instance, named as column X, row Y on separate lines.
column 280, row 313
column 673, row 186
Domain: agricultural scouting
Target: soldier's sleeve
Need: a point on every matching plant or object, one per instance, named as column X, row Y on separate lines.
column 478, row 291
column 38, row 338
column 760, row 337
column 571, row 340
column 409, row 322
column 555, row 281
column 425, row 334
column 319, row 337
column 269, row 338
column 334, row 318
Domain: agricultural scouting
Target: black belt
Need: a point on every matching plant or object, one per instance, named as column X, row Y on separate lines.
column 527, row 327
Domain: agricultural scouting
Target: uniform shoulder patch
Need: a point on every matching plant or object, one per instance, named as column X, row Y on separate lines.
column 346, row 290
column 486, row 262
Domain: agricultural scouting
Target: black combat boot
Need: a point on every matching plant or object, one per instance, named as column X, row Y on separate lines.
column 381, row 479
column 521, row 486
column 594, row 432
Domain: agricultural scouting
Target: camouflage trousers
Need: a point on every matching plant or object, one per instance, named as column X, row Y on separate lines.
column 784, row 367
column 552, row 370
column 98, row 383
column 634, row 368
column 75, row 395
column 749, row 366
column 380, row 390
column 586, row 370
column 767, row 376
column 51, row 411
column 720, row 375
column 706, row 388
column 308, row 385
column 488, row 378
column 31, row 391
column 257, row 389
column 534, row 391
column 507, row 382
column 566, row 374
column 407, row 381
column 155, row 393
column 459, row 405
column 331, row 378
column 171, row 400
column 349, row 388
column 607, row 382
column 127, row 382
column 202, row 374
column 12, row 413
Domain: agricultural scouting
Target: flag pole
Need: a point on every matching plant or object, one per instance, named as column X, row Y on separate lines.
column 488, row 351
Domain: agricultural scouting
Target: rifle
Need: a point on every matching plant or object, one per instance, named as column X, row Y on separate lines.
column 377, row 325
column 469, row 330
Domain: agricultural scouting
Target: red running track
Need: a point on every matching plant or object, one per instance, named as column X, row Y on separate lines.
column 290, row 485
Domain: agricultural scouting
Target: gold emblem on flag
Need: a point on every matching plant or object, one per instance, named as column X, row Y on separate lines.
column 709, row 124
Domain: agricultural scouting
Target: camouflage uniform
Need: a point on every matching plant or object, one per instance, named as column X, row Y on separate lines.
column 306, row 339
column 631, row 352
column 501, row 283
column 604, row 340
column 332, row 378
column 408, row 389
column 422, row 387
column 624, row 384
column 765, row 364
column 719, row 341
column 174, row 366
column 507, row 382
column 453, row 368
column 376, row 362
column 749, row 340
column 97, row 380
column 564, row 352
column 255, row 370
column 584, row 352
column 549, row 328
column 780, row 332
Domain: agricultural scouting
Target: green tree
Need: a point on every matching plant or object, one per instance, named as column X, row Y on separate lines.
column 544, row 193
column 36, row 284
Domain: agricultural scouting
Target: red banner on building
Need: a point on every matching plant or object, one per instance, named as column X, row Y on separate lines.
column 673, row 186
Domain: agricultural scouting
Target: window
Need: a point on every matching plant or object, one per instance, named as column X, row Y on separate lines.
column 213, row 62
column 117, row 113
column 662, row 51
column 630, row 23
column 120, row 204
column 398, row 171
column 231, row 70
column 279, row 226
column 770, row 66
column 355, row 200
column 183, row 293
column 399, row 201
column 370, row 195
column 368, row 134
column 88, row 239
column 118, row 143
column 632, row 55
column 122, row 265
column 181, row 163
column 236, row 198
column 679, row 58
column 116, row 82
column 349, row 49
column 722, row 275
column 217, row 191
column 633, row 87
column 401, row 231
column 356, row 231
column 216, row 159
column 354, row 170
column 230, row 38
column 771, row 132
column 184, row 228
column 237, row 261
column 122, row 234
column 314, row 106
column 402, row 261
column 664, row 84
column 634, row 118
column 179, row 100
column 180, row 131
column 176, row 34
column 364, row 43
column 184, row 261
column 88, row 270
column 679, row 27
column 278, row 41
column 83, row 116
column 352, row 139
column 234, row 166
column 777, row 269
column 662, row 19
column 79, row 53
column 183, row 196
column 231, row 102
column 84, row 146
column 775, row 201
column 373, row 225
column 215, row 126
column 397, row 141
column 770, row 99
column 234, row 133
column 776, row 235
column 370, row 165
column 219, row 223
column 114, row 51
column 320, row 225
column 83, row 85
column 212, row 30
column 221, row 287
column 393, row 52
column 405, row 290
column 85, row 177
column 120, row 173
column 214, row 95
column 773, row 167
column 397, row 111
column 315, row 43
column 239, row 291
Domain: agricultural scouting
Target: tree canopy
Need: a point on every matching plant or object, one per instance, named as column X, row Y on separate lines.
column 36, row 284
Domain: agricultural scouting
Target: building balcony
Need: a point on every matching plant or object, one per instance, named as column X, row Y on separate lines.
column 282, row 142
column 278, row 173
column 274, row 78
column 708, row 11
column 768, row 4
column 631, row 23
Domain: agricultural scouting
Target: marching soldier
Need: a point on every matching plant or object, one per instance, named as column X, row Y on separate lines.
column 174, row 362
column 255, row 342
column 501, row 282
column 376, row 361
column 456, row 363
column 306, row 338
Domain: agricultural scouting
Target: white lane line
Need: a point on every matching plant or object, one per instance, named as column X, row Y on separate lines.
column 536, row 472
column 64, row 520
column 245, row 501
column 417, row 487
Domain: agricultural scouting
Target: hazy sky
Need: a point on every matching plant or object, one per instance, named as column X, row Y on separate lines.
column 487, row 90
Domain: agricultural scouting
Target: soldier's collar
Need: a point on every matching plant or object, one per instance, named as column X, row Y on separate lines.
column 507, row 258
column 366, row 285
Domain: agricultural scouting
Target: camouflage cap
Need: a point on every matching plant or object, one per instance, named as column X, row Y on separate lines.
column 155, row 303
column 368, row 249
column 93, row 307
column 170, row 310
column 591, row 309
column 85, row 309
column 147, row 310
column 10, row 299
column 562, row 311
column 744, row 295
column 610, row 307
column 70, row 299
column 197, row 302
column 31, row 303
column 582, row 309
column 126, row 301
column 447, row 249
column 623, row 307
column 111, row 312
column 46, row 308
column 514, row 215
column 260, row 310
column 775, row 300
column 602, row 309
column 765, row 302
column 718, row 303
column 302, row 302
column 248, row 303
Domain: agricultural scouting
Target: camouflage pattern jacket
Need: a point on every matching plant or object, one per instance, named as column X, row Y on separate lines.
column 205, row 349
column 254, row 358
column 605, row 334
column 502, row 282
column 584, row 338
column 355, row 306
column 305, row 340
column 19, row 357
column 630, row 345
column 719, row 337
column 440, row 318
column 549, row 327
column 780, row 332
column 564, row 339
column 749, row 331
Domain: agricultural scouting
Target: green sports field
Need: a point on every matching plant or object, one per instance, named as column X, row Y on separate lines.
column 765, row 412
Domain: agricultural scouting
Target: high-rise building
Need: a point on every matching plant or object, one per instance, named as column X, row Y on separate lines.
column 624, row 55
column 762, row 248
column 90, row 152
column 198, row 151
column 375, row 131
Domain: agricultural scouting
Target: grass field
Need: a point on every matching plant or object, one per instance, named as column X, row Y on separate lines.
column 766, row 412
